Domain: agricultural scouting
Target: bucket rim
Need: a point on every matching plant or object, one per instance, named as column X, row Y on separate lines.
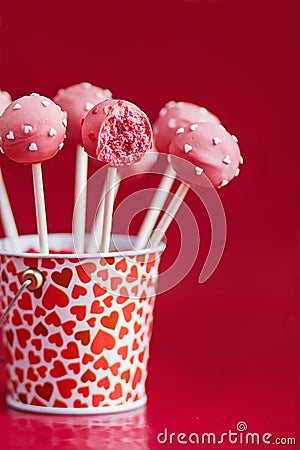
column 80, row 256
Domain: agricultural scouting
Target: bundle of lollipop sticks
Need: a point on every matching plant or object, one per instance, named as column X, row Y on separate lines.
column 118, row 134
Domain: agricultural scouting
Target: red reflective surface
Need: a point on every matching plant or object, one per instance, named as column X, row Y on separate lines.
column 227, row 357
column 226, row 351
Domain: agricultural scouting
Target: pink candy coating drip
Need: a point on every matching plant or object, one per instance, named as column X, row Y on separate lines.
column 32, row 129
column 5, row 100
column 116, row 132
column 77, row 100
column 205, row 148
column 175, row 115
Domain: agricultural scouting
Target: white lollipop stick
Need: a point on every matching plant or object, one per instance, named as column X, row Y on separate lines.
column 81, row 173
column 108, row 208
column 155, row 207
column 7, row 217
column 169, row 215
column 96, row 231
column 40, row 208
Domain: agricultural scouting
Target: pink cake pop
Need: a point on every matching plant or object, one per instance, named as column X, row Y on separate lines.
column 200, row 148
column 175, row 115
column 32, row 129
column 5, row 100
column 172, row 118
column 208, row 148
column 116, row 132
column 77, row 100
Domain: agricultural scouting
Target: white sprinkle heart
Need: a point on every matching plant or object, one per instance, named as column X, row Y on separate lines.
column 33, row 147
column 17, row 106
column 163, row 112
column 35, row 94
column 193, row 127
column 1, row 150
column 85, row 84
column 10, row 135
column 221, row 127
column 234, row 138
column 45, row 103
column 187, row 148
column 224, row 182
column 241, row 160
column 52, row 132
column 27, row 129
column 179, row 105
column 203, row 110
column 198, row 170
column 60, row 146
column 172, row 123
column 65, row 122
column 88, row 106
column 180, row 130
column 216, row 140
column 227, row 160
column 237, row 172
column 107, row 92
column 170, row 104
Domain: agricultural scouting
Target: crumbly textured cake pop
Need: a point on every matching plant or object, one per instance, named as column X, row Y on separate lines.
column 32, row 129
column 116, row 132
column 205, row 148
column 77, row 100
column 173, row 117
column 5, row 100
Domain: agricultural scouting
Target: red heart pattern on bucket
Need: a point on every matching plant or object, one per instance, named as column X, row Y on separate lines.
column 84, row 343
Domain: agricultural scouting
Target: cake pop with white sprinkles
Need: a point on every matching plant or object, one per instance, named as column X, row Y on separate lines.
column 205, row 148
column 116, row 132
column 173, row 117
column 32, row 129
column 77, row 100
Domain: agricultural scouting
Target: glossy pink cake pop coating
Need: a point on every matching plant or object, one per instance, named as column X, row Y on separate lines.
column 116, row 132
column 5, row 100
column 175, row 115
column 32, row 129
column 205, row 148
column 77, row 101
column 143, row 165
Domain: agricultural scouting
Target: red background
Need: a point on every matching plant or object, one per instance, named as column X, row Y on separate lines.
column 227, row 350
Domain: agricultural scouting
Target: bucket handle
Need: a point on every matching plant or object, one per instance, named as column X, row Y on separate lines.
column 32, row 279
